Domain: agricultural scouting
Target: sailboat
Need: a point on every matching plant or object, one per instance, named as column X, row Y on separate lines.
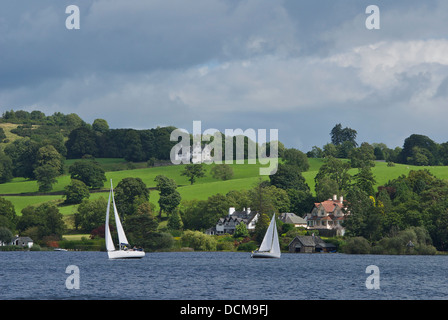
column 270, row 247
column 124, row 249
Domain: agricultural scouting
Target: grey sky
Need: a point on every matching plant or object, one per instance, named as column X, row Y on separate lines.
column 297, row 66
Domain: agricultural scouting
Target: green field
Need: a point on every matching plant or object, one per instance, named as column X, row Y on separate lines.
column 245, row 176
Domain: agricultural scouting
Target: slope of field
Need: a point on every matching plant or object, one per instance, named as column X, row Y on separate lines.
column 245, row 177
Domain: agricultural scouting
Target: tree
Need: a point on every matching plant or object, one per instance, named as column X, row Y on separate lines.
column 336, row 170
column 90, row 214
column 222, row 171
column 81, row 141
column 241, row 231
column 296, row 158
column 134, row 149
column 365, row 180
column 175, row 221
column 5, row 167
column 315, row 152
column 339, row 135
column 100, row 125
column 325, row 188
column 49, row 166
column 5, row 235
column 129, row 193
column 140, row 229
column 23, row 154
column 425, row 153
column 288, row 177
column 45, row 221
column 75, row 192
column 46, row 177
column 362, row 156
column 365, row 218
column 169, row 197
column 8, row 211
column 193, row 171
column 88, row 171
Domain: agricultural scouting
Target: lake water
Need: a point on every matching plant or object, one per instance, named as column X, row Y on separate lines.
column 221, row 276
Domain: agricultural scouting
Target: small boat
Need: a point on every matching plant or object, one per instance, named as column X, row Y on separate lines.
column 59, row 249
column 124, row 249
column 270, row 246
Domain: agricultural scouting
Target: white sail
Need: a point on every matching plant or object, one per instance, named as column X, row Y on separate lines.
column 121, row 235
column 266, row 244
column 275, row 249
column 109, row 243
column 270, row 246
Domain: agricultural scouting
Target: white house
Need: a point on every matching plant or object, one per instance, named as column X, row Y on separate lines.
column 22, row 241
column 194, row 154
column 234, row 218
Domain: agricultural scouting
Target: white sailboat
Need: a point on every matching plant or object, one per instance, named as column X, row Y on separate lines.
column 270, row 247
column 124, row 249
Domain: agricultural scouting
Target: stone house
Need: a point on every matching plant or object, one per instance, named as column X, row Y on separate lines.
column 310, row 244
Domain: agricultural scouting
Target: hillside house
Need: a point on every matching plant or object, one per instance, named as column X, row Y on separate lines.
column 234, row 218
column 193, row 154
column 328, row 216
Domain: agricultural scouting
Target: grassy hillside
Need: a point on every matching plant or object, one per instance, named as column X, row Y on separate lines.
column 245, row 176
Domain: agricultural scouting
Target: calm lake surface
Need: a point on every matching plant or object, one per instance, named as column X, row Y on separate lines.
column 221, row 276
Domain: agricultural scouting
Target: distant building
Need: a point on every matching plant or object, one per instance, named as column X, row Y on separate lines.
column 327, row 216
column 22, row 241
column 228, row 224
column 293, row 219
column 194, row 154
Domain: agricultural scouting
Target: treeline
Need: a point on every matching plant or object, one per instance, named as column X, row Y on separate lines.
column 417, row 149
column 45, row 141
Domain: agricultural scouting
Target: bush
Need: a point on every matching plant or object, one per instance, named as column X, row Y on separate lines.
column 198, row 241
column 248, row 246
column 225, row 246
column 399, row 244
column 356, row 245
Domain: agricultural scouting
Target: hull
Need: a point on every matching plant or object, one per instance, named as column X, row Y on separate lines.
column 125, row 254
column 268, row 255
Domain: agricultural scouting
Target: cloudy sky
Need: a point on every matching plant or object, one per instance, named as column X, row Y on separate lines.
column 297, row 66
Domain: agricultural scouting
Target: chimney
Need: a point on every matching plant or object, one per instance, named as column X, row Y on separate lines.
column 231, row 211
column 335, row 197
column 341, row 199
column 248, row 211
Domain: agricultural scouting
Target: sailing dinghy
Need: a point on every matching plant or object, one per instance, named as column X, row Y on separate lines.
column 270, row 247
column 124, row 249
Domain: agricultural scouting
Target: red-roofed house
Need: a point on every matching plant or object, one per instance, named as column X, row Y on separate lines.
column 327, row 215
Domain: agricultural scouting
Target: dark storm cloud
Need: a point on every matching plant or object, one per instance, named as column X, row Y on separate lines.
column 299, row 66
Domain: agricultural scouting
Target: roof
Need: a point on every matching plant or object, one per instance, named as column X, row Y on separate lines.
column 23, row 239
column 313, row 241
column 330, row 205
column 292, row 218
column 306, row 240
